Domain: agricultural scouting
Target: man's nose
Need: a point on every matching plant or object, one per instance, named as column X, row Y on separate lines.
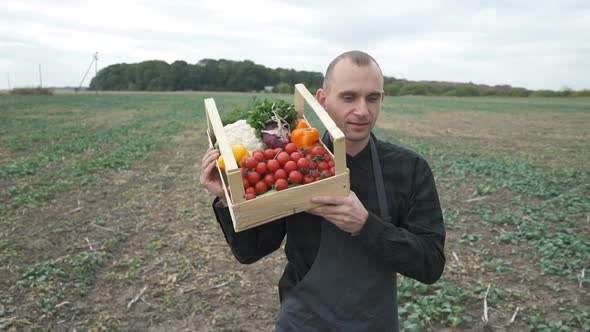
column 362, row 109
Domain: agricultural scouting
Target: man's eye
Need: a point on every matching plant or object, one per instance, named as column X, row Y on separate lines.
column 373, row 99
column 348, row 98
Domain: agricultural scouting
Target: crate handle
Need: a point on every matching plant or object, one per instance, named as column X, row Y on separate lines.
column 303, row 95
column 231, row 166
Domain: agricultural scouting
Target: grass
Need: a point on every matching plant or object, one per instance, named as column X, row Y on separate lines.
column 98, row 198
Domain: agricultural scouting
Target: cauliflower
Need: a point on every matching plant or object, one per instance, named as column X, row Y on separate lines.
column 240, row 132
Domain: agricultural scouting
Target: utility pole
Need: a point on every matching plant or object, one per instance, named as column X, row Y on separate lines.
column 40, row 78
column 95, row 61
column 8, row 75
column 95, row 70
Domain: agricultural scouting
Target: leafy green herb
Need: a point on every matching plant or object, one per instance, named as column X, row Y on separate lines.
column 266, row 111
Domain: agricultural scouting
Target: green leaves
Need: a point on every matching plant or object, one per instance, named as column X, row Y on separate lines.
column 266, row 111
column 421, row 306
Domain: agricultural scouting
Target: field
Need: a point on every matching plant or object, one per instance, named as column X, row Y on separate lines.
column 103, row 226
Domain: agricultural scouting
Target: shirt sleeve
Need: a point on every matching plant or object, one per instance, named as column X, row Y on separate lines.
column 415, row 249
column 252, row 244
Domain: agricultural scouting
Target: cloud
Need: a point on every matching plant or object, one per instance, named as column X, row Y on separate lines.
column 534, row 44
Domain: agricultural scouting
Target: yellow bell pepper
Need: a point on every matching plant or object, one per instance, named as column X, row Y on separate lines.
column 239, row 152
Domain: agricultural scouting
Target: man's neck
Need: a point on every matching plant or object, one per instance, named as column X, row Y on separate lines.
column 354, row 147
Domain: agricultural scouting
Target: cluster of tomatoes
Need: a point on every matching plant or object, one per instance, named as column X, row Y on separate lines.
column 280, row 168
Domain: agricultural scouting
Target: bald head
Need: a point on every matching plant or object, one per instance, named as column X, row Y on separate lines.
column 359, row 58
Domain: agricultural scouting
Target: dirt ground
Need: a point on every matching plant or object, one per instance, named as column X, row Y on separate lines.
column 168, row 267
column 538, row 137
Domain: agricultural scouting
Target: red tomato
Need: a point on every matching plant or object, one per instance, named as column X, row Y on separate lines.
column 249, row 162
column 280, row 174
column 290, row 148
column 283, row 157
column 327, row 157
column 313, row 165
column 281, row 184
column 250, row 196
column 259, row 156
column 295, row 177
column 318, row 151
column 269, row 154
column 333, row 170
column 302, row 163
column 308, row 179
column 322, row 165
column 272, row 165
column 261, row 168
column 290, row 166
column 251, row 190
column 246, row 182
column 331, row 163
column 326, row 173
column 257, row 150
column 260, row 187
column 253, row 177
column 296, row 156
column 269, row 179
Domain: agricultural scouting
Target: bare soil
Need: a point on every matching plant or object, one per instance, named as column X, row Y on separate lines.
column 537, row 137
column 169, row 268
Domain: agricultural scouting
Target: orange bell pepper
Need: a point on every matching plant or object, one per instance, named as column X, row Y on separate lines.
column 301, row 124
column 305, row 138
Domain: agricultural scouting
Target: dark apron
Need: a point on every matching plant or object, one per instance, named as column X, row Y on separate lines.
column 347, row 288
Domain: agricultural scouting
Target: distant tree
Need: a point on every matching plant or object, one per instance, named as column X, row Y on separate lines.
column 463, row 91
column 520, row 92
column 582, row 93
column 393, row 88
column 416, row 89
column 284, row 87
column 180, row 75
column 543, row 93
column 489, row 92
column 565, row 91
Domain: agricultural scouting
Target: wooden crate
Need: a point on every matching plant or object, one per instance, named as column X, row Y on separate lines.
column 271, row 206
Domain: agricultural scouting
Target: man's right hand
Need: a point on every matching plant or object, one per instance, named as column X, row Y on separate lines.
column 210, row 176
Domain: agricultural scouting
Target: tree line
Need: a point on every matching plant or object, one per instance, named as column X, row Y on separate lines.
column 228, row 75
column 207, row 75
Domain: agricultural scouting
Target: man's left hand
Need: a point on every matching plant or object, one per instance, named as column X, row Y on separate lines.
column 346, row 212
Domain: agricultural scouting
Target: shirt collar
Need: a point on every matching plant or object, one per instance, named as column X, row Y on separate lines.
column 360, row 159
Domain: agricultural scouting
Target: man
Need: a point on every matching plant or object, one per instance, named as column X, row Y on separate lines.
column 343, row 257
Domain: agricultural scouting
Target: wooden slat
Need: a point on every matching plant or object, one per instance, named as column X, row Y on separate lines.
column 231, row 166
column 283, row 203
column 337, row 135
column 299, row 104
column 319, row 110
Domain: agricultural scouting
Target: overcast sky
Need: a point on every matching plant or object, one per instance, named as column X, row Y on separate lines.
column 538, row 44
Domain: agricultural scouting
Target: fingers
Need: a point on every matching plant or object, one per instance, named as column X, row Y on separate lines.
column 337, row 200
column 208, row 168
column 209, row 161
column 210, row 156
column 327, row 209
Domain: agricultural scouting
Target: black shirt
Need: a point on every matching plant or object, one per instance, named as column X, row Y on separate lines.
column 413, row 242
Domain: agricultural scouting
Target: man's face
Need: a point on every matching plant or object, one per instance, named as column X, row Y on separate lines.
column 353, row 98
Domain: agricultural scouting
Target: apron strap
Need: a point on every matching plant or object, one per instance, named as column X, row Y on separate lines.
column 378, row 175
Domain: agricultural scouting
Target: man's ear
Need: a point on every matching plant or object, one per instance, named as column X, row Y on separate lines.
column 320, row 95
